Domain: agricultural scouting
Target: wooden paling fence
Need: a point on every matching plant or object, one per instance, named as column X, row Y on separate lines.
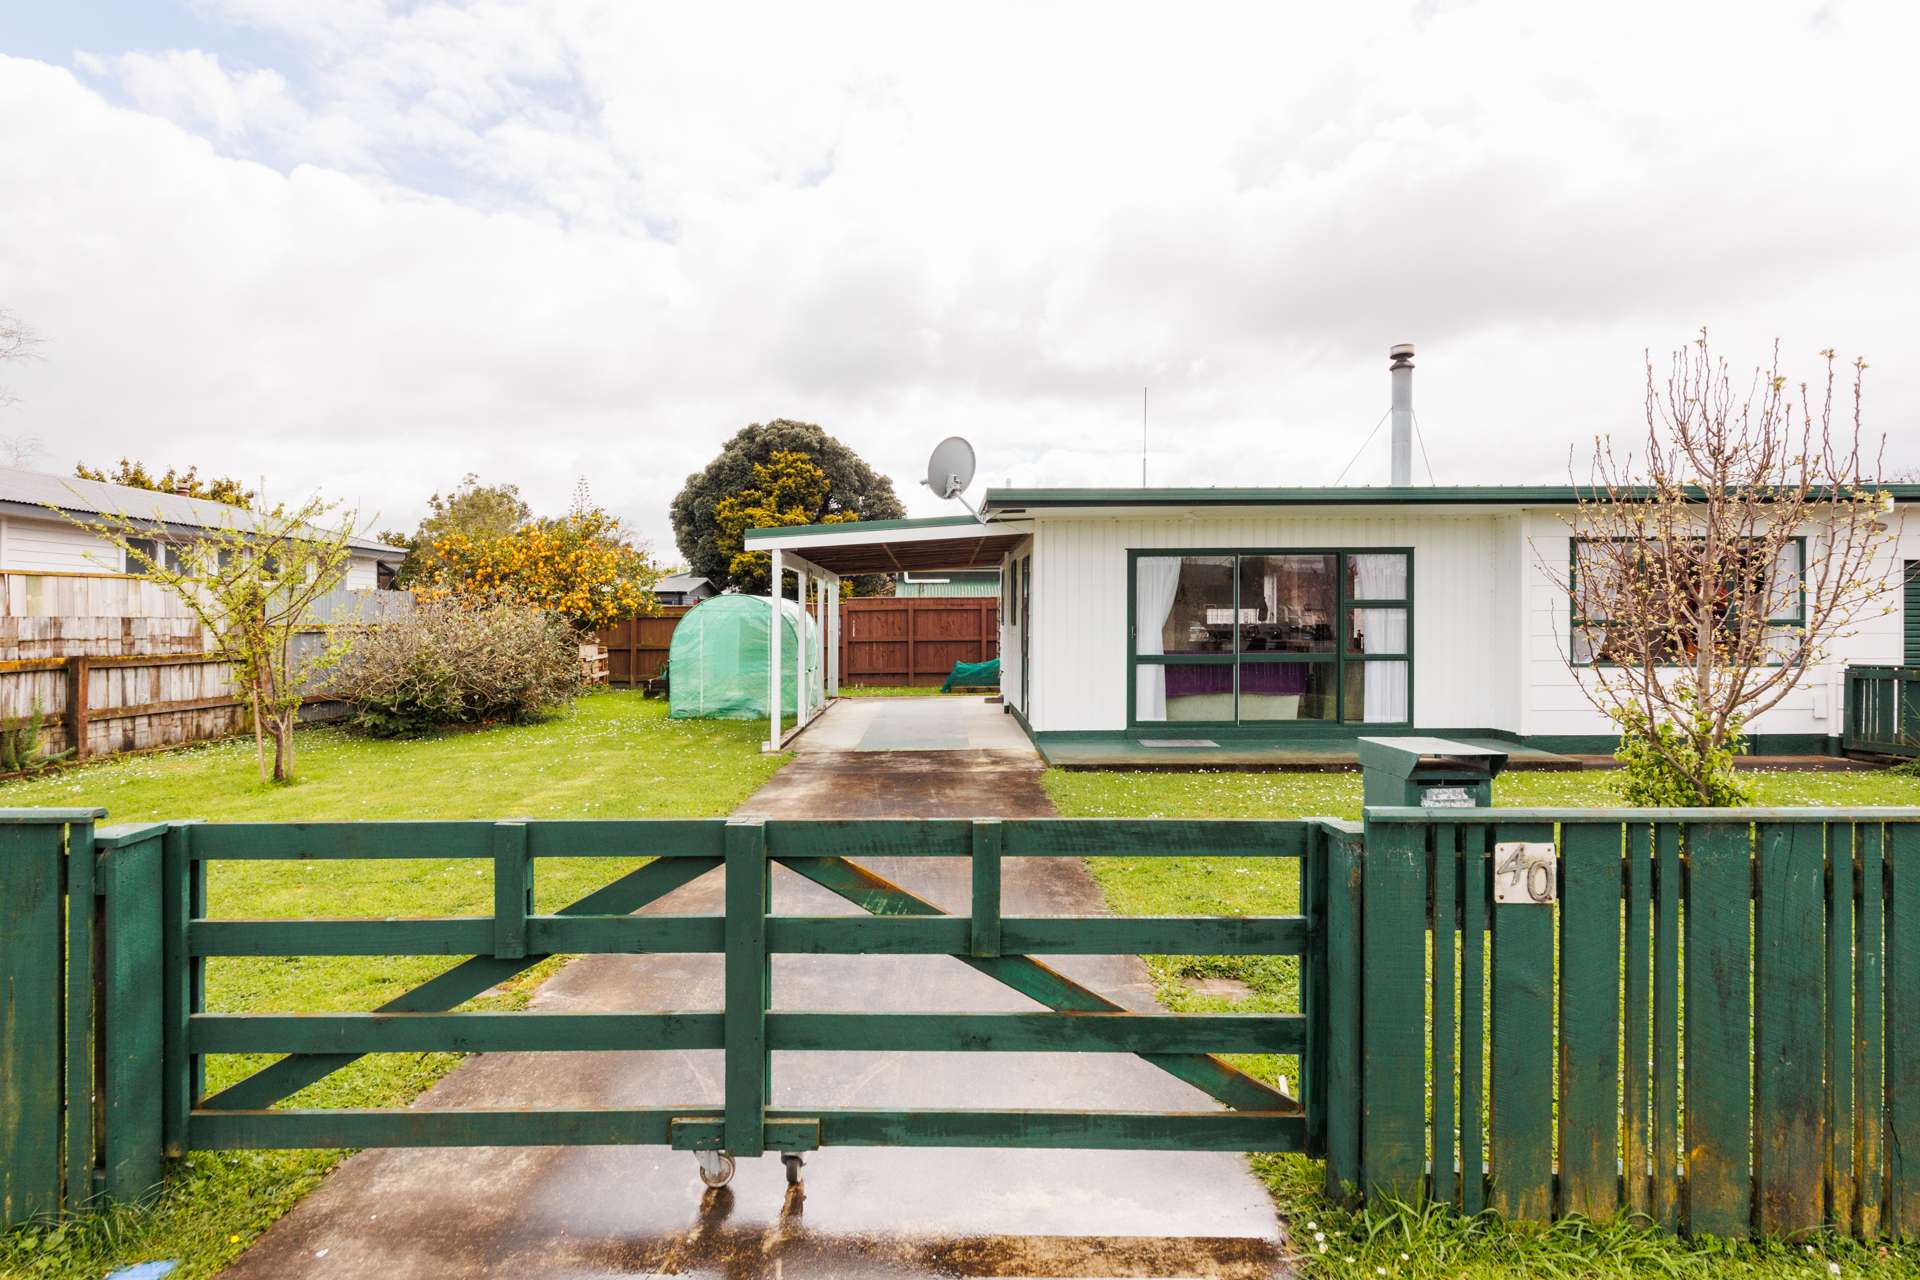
column 884, row 640
column 1732, row 1046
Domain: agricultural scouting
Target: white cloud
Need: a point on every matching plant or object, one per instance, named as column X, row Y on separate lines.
column 537, row 241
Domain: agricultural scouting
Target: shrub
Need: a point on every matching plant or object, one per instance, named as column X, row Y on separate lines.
column 1667, row 765
column 450, row 663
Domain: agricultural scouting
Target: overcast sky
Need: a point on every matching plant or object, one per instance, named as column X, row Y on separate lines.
column 373, row 246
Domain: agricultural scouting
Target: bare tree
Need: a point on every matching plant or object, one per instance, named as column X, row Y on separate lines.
column 1710, row 573
column 17, row 343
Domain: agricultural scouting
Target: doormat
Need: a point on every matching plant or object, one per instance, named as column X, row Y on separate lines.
column 1177, row 742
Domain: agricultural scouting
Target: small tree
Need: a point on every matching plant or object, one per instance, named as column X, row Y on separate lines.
column 1711, row 573
column 253, row 584
column 480, row 511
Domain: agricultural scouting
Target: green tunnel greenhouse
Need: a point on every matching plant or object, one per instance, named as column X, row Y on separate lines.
column 717, row 663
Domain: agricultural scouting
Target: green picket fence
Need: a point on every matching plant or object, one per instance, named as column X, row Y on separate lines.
column 1882, row 711
column 1732, row 1045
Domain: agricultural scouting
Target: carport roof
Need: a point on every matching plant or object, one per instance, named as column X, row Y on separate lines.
column 896, row 546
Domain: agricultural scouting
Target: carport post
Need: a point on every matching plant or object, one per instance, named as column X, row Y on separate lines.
column 800, row 666
column 773, row 654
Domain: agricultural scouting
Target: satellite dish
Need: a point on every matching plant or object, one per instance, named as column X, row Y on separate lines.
column 950, row 469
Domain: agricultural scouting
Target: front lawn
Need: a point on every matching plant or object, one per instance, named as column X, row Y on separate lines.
column 617, row 755
column 1410, row 1244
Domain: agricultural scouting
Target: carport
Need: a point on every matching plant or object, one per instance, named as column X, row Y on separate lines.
column 823, row 555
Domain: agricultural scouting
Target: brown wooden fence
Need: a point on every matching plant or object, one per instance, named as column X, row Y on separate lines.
column 637, row 648
column 915, row 640
column 884, row 640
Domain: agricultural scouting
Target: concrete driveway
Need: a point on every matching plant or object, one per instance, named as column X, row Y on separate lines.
column 591, row 1212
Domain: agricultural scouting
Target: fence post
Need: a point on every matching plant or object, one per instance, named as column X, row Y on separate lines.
column 1340, row 1093
column 77, row 704
column 1393, row 1074
column 30, row 974
column 746, row 985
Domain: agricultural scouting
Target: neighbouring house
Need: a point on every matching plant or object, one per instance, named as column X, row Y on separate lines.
column 959, row 583
column 34, row 537
column 682, row 589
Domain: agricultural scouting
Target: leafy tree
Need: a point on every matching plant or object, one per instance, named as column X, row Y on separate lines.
column 582, row 567
column 187, row 484
column 853, row 491
column 477, row 511
column 786, row 490
column 254, row 584
column 1716, row 567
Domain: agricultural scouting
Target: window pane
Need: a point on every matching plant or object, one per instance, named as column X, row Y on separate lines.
column 1376, row 692
column 1184, row 691
column 1183, row 604
column 1286, row 604
column 1377, row 631
column 1376, row 576
column 1783, row 587
column 1273, row 691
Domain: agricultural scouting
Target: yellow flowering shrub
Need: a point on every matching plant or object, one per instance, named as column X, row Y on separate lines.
column 582, row 568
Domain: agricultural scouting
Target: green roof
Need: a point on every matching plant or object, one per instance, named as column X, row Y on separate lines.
column 864, row 526
column 1009, row 500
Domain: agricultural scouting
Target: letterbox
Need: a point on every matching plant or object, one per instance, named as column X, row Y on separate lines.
column 1428, row 773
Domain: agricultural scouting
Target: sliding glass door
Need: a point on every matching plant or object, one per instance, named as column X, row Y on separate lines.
column 1307, row 637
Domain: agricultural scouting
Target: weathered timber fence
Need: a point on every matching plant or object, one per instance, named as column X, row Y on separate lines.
column 1882, row 714
column 111, row 663
column 1732, row 1046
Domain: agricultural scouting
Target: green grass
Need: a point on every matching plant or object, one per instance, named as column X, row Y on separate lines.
column 891, row 691
column 1411, row 1243
column 616, row 755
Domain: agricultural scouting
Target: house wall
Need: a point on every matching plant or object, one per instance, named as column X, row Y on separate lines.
column 363, row 573
column 1490, row 623
column 54, row 546
column 1013, row 675
column 1555, row 705
column 1080, row 604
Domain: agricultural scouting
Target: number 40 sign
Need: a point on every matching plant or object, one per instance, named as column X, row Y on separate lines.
column 1523, row 872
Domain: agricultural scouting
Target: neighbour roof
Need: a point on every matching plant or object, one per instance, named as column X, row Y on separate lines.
column 681, row 582
column 39, row 490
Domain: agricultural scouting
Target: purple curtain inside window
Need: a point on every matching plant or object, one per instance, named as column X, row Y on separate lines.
column 1191, row 680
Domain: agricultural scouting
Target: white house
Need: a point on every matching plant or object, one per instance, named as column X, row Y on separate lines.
column 1193, row 617
column 34, row 535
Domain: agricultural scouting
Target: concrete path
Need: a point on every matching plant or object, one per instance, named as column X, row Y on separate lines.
column 591, row 1212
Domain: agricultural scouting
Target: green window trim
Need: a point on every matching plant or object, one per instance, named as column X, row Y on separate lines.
column 1576, row 623
column 1337, row 657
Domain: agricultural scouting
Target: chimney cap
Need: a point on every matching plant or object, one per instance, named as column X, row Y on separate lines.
column 1400, row 351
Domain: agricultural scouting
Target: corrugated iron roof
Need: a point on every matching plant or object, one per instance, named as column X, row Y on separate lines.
column 96, row 497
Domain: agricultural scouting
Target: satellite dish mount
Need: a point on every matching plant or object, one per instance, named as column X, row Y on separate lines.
column 950, row 471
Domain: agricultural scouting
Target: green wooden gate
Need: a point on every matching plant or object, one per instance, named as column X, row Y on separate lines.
column 140, row 1095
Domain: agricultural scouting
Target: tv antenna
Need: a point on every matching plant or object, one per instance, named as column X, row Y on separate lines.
column 950, row 471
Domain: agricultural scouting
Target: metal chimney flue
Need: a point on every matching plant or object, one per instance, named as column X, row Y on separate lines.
column 1400, row 365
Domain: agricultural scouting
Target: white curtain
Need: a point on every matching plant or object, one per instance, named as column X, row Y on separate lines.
column 1383, row 577
column 1157, row 581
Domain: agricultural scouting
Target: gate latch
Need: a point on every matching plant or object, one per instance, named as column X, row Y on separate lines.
column 1524, row 872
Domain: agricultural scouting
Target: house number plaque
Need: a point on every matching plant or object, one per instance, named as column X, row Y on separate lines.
column 1523, row 872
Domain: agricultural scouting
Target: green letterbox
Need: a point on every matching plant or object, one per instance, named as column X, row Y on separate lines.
column 1428, row 773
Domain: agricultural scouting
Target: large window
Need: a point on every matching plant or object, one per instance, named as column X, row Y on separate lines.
column 1599, row 576
column 1272, row 637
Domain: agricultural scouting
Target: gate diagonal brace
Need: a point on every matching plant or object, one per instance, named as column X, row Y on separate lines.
column 459, row 984
column 879, row 896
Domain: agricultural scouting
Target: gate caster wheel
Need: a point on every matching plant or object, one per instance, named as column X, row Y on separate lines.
column 716, row 1167
column 794, row 1164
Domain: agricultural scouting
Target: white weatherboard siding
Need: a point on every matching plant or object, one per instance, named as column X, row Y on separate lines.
column 1556, row 705
column 1012, row 673
column 55, row 546
column 363, row 573
column 1080, row 609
